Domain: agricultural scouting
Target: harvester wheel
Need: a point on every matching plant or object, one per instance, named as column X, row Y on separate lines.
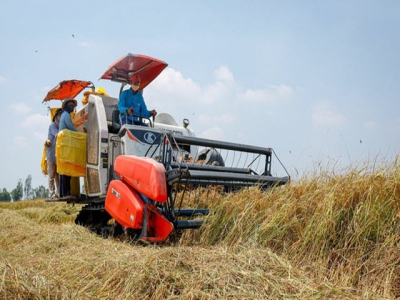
column 94, row 217
column 132, row 233
column 116, row 230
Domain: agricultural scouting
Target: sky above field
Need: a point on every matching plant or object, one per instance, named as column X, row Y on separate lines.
column 318, row 81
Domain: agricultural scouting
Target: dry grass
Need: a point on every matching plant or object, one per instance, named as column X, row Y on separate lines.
column 325, row 237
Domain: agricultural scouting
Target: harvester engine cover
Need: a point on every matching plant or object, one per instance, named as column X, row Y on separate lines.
column 130, row 200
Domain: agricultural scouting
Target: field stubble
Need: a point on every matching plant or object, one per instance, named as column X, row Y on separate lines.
column 324, row 237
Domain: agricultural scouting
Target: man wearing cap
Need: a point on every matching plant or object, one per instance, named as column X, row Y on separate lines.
column 68, row 107
column 131, row 104
column 51, row 155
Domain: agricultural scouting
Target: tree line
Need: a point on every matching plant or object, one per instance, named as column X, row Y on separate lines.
column 24, row 192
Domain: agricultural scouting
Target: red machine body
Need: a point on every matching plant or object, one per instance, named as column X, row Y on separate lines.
column 124, row 204
column 140, row 176
column 144, row 174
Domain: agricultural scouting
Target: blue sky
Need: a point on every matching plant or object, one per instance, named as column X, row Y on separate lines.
column 318, row 81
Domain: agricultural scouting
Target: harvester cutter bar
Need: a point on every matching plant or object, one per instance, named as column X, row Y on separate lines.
column 188, row 224
column 222, row 178
column 214, row 168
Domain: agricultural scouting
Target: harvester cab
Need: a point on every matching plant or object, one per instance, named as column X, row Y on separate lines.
column 136, row 177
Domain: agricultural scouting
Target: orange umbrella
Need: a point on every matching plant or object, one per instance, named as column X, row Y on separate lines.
column 67, row 89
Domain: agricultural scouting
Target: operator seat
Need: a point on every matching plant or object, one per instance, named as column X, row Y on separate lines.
column 115, row 125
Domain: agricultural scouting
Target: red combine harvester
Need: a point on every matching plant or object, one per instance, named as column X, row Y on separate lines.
column 136, row 177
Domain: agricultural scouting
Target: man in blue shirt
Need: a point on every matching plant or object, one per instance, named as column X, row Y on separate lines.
column 51, row 155
column 68, row 107
column 131, row 104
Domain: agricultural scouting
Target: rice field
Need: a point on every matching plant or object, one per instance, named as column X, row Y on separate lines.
column 325, row 236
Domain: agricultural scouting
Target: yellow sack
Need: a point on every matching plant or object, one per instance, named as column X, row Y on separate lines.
column 99, row 91
column 71, row 153
column 43, row 164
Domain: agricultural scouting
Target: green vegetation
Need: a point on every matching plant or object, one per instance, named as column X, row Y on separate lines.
column 20, row 190
column 326, row 236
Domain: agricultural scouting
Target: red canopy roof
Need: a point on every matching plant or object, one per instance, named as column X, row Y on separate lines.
column 67, row 89
column 148, row 68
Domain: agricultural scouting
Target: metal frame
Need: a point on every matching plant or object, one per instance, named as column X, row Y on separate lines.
column 218, row 175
